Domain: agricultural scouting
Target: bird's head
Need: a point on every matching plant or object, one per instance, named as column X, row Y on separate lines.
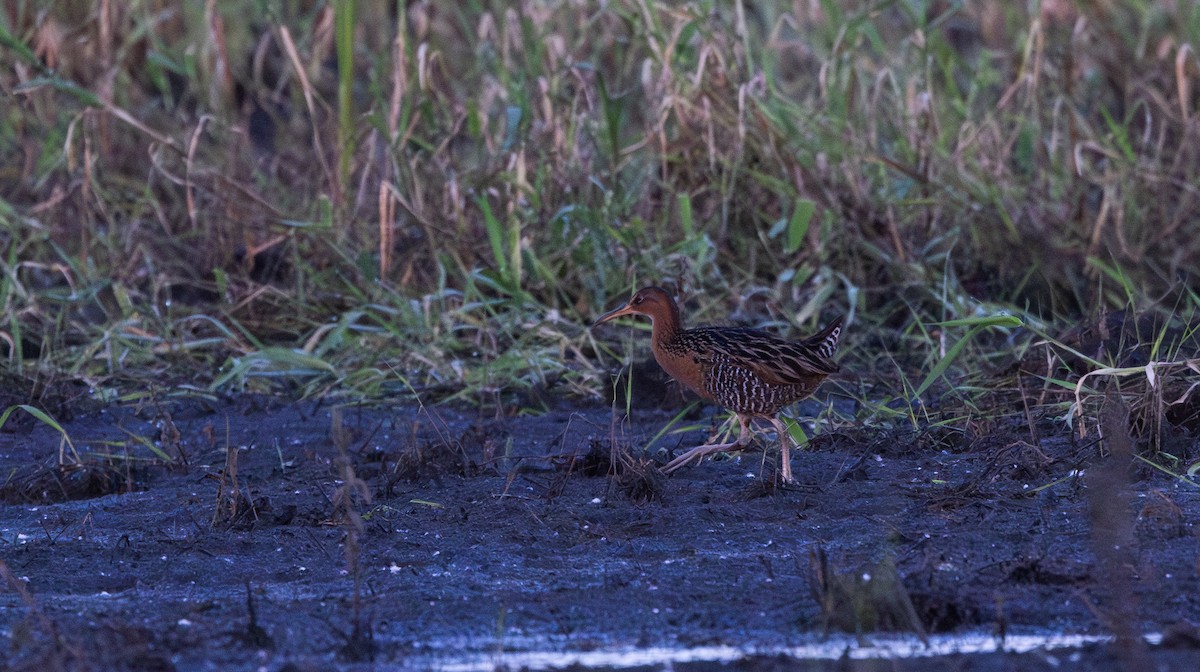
column 653, row 302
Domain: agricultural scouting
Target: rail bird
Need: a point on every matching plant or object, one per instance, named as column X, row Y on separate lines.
column 748, row 371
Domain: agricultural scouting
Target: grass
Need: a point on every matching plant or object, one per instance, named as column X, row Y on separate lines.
column 66, row 450
column 374, row 199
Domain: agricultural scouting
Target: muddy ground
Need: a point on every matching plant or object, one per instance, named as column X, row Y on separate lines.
column 474, row 537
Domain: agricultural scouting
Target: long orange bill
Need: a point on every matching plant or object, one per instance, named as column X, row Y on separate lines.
column 612, row 314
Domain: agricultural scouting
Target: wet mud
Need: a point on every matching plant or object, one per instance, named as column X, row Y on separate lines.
column 192, row 534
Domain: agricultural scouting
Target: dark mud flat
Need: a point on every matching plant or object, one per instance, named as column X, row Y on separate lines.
column 481, row 539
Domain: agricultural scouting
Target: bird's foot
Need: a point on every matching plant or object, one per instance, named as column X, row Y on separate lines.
column 699, row 453
column 785, row 473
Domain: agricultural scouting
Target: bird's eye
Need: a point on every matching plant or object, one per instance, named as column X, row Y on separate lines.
column 638, row 299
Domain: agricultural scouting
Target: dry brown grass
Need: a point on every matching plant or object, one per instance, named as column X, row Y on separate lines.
column 182, row 185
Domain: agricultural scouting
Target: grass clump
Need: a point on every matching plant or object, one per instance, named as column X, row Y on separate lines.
column 374, row 198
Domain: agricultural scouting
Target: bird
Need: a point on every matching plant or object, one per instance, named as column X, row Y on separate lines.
column 748, row 371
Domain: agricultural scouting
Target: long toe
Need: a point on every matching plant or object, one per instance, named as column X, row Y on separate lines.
column 698, row 453
column 678, row 462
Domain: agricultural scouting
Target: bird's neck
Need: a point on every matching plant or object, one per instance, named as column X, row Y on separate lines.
column 667, row 325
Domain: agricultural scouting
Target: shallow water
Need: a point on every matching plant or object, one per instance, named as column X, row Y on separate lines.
column 1057, row 647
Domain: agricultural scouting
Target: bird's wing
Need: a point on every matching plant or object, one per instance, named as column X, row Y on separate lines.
column 772, row 359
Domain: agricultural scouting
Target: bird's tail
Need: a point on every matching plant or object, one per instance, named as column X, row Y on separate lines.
column 825, row 342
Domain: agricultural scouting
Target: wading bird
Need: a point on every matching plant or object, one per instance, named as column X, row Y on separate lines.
column 750, row 372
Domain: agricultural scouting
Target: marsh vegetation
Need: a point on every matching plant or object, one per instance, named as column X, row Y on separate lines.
column 360, row 205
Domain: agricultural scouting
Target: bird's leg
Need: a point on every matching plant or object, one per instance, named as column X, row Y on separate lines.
column 785, row 443
column 699, row 452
